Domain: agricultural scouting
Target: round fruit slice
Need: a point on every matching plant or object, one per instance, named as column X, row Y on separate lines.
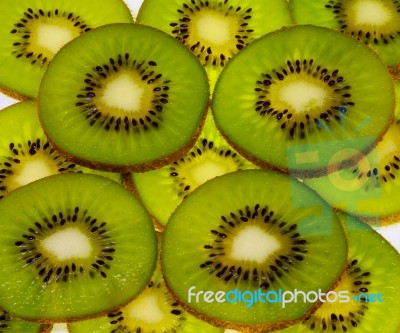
column 303, row 99
column 32, row 32
column 72, row 245
column 215, row 30
column 132, row 102
column 162, row 190
column 154, row 310
column 242, row 239
column 371, row 188
column 366, row 299
column 25, row 153
column 375, row 23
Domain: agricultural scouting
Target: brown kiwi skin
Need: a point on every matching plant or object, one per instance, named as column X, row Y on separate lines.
column 13, row 94
column 142, row 167
column 394, row 72
column 305, row 174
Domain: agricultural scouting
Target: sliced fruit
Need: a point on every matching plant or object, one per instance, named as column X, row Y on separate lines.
column 371, row 188
column 25, row 153
column 73, row 245
column 32, row 32
column 163, row 190
column 215, row 30
column 251, row 232
column 303, row 99
column 130, row 103
column 366, row 299
column 375, row 23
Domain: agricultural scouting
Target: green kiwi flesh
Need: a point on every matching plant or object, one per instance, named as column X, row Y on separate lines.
column 25, row 153
column 72, row 245
column 303, row 99
column 215, row 30
column 375, row 23
column 162, row 190
column 370, row 281
column 32, row 33
column 251, row 230
column 130, row 103
column 153, row 311
column 371, row 188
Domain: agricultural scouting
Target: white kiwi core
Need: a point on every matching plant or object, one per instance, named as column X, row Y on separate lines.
column 302, row 96
column 52, row 37
column 214, row 28
column 124, row 92
column 33, row 170
column 206, row 171
column 371, row 13
column 69, row 243
column 254, row 244
column 146, row 309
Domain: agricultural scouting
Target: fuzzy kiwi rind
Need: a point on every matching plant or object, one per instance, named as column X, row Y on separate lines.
column 55, row 293
column 352, row 121
column 142, row 139
column 205, row 206
column 22, row 50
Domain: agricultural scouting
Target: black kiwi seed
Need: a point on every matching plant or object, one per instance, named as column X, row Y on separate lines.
column 180, row 29
column 183, row 187
column 22, row 30
column 48, row 269
column 368, row 37
column 298, row 125
column 19, row 151
column 263, row 276
column 94, row 80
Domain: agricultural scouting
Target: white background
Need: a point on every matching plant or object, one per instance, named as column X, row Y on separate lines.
column 391, row 233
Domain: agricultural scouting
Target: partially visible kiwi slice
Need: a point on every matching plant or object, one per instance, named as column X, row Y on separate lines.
column 10, row 324
column 153, row 311
column 162, row 190
column 134, row 102
column 251, row 231
column 397, row 94
column 31, row 33
column 25, row 153
column 72, row 245
column 371, row 188
column 375, row 23
column 215, row 30
column 302, row 99
column 369, row 300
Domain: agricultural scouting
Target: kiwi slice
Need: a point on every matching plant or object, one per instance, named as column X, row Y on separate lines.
column 162, row 190
column 129, row 103
column 153, row 311
column 215, row 30
column 375, row 23
column 397, row 94
column 251, row 231
column 25, row 153
column 73, row 245
column 371, row 188
column 302, row 99
column 367, row 296
column 32, row 32
column 10, row 324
